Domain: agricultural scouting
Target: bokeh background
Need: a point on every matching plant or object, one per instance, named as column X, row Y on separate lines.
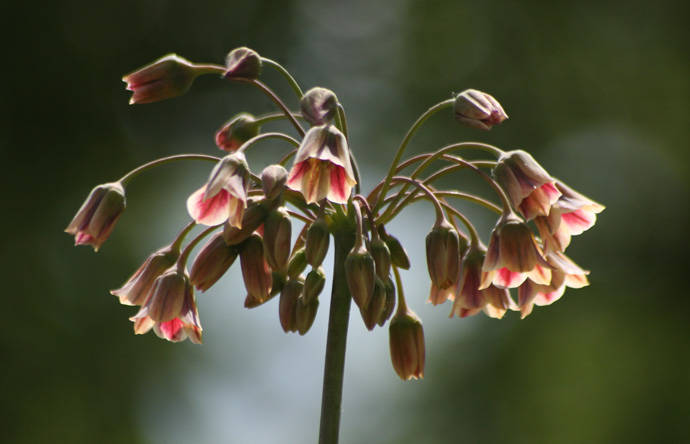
column 597, row 91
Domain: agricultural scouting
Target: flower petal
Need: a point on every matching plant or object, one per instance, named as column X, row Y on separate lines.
column 211, row 211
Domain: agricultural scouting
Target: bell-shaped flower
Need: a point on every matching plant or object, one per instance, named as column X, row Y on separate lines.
column 478, row 109
column 513, row 256
column 167, row 77
column 236, row 131
column 224, row 196
column 406, row 337
column 531, row 190
column 139, row 285
column 443, row 259
column 322, row 167
column 212, row 262
column 97, row 216
column 170, row 309
column 470, row 299
column 565, row 273
column 571, row 215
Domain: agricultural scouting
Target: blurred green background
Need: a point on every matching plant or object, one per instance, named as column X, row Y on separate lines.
column 597, row 91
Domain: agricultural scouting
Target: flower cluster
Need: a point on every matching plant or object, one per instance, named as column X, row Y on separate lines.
column 251, row 216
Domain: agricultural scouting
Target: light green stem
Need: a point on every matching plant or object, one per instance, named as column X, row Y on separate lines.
column 285, row 73
column 140, row 169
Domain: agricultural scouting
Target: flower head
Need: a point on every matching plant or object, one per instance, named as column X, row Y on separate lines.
column 224, row 197
column 530, row 188
column 139, row 285
column 322, row 166
column 170, row 309
column 478, row 109
column 97, row 216
column 236, row 131
column 167, row 77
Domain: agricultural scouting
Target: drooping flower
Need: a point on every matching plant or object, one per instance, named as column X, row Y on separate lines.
column 96, row 218
column 478, row 109
column 224, row 196
column 319, row 106
column 513, row 256
column 565, row 273
column 170, row 309
column 443, row 260
column 470, row 299
column 139, row 285
column 571, row 215
column 322, row 167
column 236, row 131
column 212, row 262
column 167, row 77
column 531, row 190
column 406, row 337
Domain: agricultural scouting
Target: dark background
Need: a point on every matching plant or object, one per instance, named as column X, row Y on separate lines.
column 597, row 91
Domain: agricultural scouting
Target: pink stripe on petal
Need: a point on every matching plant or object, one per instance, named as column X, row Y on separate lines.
column 211, row 211
column 171, row 330
column 337, row 193
column 294, row 180
column 551, row 192
column 578, row 221
column 83, row 238
column 540, row 275
column 505, row 278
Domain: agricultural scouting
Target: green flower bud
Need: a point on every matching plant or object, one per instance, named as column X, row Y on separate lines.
column 360, row 272
column 390, row 302
column 313, row 284
column 373, row 311
column 288, row 303
column 277, row 236
column 443, row 255
column 317, row 240
column 382, row 257
column 398, row 254
column 297, row 264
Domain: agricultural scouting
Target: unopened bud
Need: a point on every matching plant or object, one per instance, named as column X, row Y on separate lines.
column 236, row 131
column 360, row 272
column 255, row 269
column 313, row 284
column 277, row 236
column 253, row 216
column 407, row 345
column 242, row 63
column 288, row 303
column 390, row 302
column 373, row 311
column 317, row 240
column 298, row 262
column 319, row 106
column 399, row 256
column 97, row 216
column 443, row 255
column 305, row 313
column 212, row 262
column 478, row 109
column 168, row 77
column 273, row 179
column 382, row 257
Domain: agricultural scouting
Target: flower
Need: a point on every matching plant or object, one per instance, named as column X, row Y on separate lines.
column 319, row 106
column 360, row 274
column 256, row 272
column 478, row 109
column 565, row 274
column 242, row 63
column 322, row 166
column 513, row 256
column 167, row 77
column 406, row 339
column 224, row 197
column 572, row 214
column 139, row 285
column 97, row 216
column 470, row 299
column 170, row 309
column 442, row 258
column 236, row 131
column 212, row 262
column 530, row 188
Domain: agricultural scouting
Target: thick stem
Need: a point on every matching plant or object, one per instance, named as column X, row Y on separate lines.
column 336, row 342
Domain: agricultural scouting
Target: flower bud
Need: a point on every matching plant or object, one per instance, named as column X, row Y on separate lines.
column 138, row 286
column 399, row 256
column 212, row 262
column 97, row 216
column 478, row 109
column 277, row 236
column 317, row 240
column 389, row 306
column 382, row 257
column 253, row 217
column 360, row 272
column 168, row 77
column 273, row 179
column 288, row 303
column 242, row 63
column 313, row 284
column 319, row 106
column 305, row 313
column 443, row 255
column 377, row 304
column 236, row 131
column 255, row 269
column 298, row 262
column 407, row 345
column 167, row 296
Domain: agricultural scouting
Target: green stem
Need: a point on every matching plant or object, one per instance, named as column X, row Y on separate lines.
column 401, row 149
column 269, row 92
column 260, row 120
column 262, row 136
column 180, row 237
column 140, row 169
column 337, row 339
column 182, row 260
column 285, row 73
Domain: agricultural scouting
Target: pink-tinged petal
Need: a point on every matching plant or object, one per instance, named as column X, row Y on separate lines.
column 209, row 212
column 578, row 221
column 504, row 278
column 236, row 209
column 142, row 323
column 491, row 260
column 82, row 238
column 526, row 294
column 487, row 279
column 540, row 275
column 294, row 180
column 339, row 191
column 576, row 280
column 172, row 330
column 539, row 202
column 549, row 297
